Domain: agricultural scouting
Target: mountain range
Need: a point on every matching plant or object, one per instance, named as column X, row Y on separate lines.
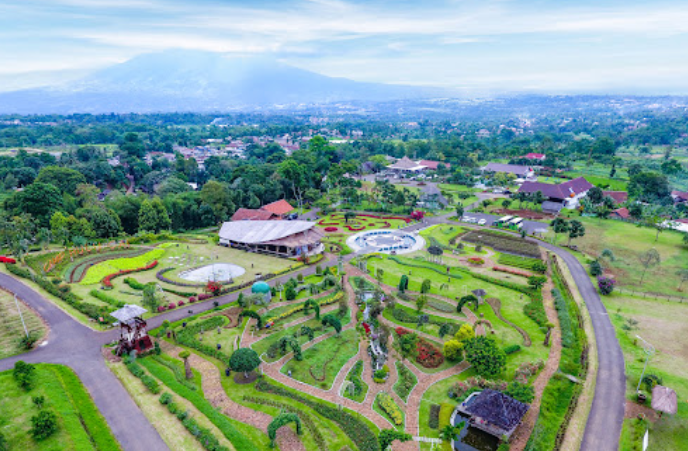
column 185, row 80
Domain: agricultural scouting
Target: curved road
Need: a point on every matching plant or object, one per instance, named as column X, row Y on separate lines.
column 75, row 345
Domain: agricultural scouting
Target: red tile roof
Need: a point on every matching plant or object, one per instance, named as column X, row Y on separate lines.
column 280, row 207
column 682, row 196
column 430, row 164
column 619, row 196
column 535, row 156
column 246, row 214
column 622, row 213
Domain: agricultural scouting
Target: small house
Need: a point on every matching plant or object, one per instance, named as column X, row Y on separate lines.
column 494, row 412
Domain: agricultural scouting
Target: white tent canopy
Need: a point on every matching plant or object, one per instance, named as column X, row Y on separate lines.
column 128, row 312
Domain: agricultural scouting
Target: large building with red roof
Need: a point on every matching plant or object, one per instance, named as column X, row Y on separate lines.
column 270, row 212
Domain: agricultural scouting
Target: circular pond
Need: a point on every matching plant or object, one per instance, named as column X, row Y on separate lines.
column 386, row 241
column 217, row 272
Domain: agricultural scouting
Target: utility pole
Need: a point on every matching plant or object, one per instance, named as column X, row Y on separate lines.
column 21, row 316
column 649, row 351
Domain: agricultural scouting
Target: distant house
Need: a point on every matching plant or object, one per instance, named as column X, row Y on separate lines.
column 494, row 412
column 568, row 193
column 520, row 171
column 679, row 196
column 620, row 197
column 535, row 156
column 269, row 212
column 407, row 166
column 553, row 208
column 432, row 165
column 432, row 197
column 620, row 213
column 677, row 224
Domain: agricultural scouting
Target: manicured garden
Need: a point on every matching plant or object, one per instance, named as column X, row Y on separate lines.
column 12, row 335
column 338, row 222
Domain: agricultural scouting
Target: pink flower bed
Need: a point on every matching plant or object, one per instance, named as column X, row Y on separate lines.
column 330, row 229
column 355, row 229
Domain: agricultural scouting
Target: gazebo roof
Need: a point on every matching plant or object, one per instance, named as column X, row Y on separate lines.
column 664, row 399
column 128, row 312
column 498, row 408
column 479, row 292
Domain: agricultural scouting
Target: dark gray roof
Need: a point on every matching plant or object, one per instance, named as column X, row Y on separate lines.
column 561, row 191
column 554, row 207
column 498, row 409
column 516, row 169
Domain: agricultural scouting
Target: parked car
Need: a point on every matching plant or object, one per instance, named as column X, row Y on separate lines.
column 482, row 222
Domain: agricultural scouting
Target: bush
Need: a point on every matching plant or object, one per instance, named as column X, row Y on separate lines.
column 520, row 392
column 24, row 374
column 485, row 357
column 43, row 425
column 595, row 268
column 407, row 380
column 150, row 382
column 606, row 285
column 511, row 349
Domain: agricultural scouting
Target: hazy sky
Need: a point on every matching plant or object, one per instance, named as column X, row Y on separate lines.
column 478, row 46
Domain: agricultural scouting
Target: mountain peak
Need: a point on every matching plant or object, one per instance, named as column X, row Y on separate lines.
column 190, row 80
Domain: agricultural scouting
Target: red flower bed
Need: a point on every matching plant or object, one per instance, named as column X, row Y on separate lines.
column 330, row 229
column 355, row 229
column 180, row 304
column 418, row 215
column 386, row 225
column 4, row 259
column 171, row 306
column 401, row 331
column 192, row 299
column 407, row 220
column 161, row 308
column 510, row 271
column 322, row 223
column 476, row 261
column 367, row 328
column 428, row 355
column 107, row 281
column 204, row 296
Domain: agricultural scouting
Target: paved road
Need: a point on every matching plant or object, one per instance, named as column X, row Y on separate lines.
column 72, row 344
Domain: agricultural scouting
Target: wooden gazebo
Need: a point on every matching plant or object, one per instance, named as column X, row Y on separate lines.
column 132, row 329
column 664, row 400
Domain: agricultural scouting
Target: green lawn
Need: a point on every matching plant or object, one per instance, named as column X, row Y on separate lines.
column 664, row 325
column 11, row 329
column 322, row 362
column 80, row 425
column 627, row 241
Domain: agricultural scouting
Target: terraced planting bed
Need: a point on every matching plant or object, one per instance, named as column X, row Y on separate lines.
column 503, row 243
column 321, row 363
column 99, row 271
column 338, row 223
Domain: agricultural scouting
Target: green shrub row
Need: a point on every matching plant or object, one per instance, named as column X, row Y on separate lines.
column 532, row 264
column 434, row 418
column 178, row 373
column 568, row 334
column 305, row 418
column 237, row 439
column 446, row 411
column 356, row 429
column 354, row 377
column 90, row 417
column 150, row 382
column 187, row 337
column 206, row 438
column 511, row 349
column 99, row 313
column 106, row 298
column 136, row 285
column 407, row 380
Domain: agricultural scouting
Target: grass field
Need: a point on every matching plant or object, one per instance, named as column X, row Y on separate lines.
column 80, row 426
column 627, row 241
column 321, row 363
column 664, row 325
column 11, row 329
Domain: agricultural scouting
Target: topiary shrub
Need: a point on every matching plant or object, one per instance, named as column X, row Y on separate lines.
column 43, row 425
column 24, row 373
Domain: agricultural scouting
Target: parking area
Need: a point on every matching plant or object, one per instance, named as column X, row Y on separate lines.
column 531, row 227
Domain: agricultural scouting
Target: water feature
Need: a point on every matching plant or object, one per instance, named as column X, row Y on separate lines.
column 218, row 272
column 473, row 439
column 386, row 241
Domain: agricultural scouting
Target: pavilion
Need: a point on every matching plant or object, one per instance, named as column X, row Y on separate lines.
column 132, row 327
column 289, row 239
column 494, row 412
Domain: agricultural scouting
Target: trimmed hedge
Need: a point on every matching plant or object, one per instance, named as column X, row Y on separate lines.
column 240, row 442
column 434, row 418
column 426, row 266
column 187, row 337
column 150, row 382
column 356, row 429
column 446, row 411
column 520, row 262
column 107, row 299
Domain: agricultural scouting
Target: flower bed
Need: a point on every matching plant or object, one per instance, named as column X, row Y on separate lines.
column 331, row 229
column 429, row 356
column 510, row 271
column 476, row 261
column 355, row 229
column 107, row 281
column 388, row 405
column 97, row 272
column 9, row 260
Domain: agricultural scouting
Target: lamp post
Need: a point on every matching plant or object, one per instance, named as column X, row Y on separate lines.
column 21, row 316
column 649, row 351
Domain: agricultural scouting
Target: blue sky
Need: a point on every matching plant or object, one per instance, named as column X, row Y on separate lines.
column 477, row 47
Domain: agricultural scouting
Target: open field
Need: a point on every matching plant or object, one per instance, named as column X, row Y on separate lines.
column 665, row 326
column 11, row 329
column 627, row 241
column 80, row 426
